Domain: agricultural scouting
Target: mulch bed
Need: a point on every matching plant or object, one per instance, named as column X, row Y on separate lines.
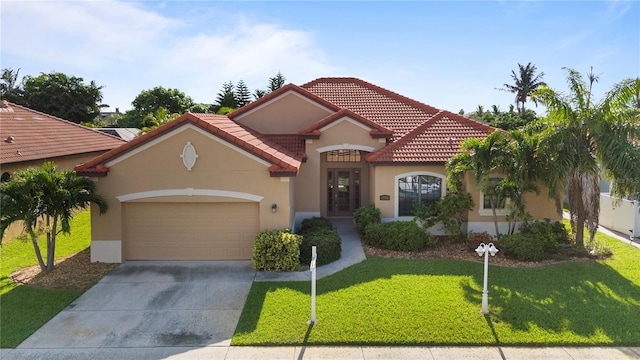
column 75, row 272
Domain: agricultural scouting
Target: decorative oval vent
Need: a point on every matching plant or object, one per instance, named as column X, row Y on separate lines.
column 189, row 156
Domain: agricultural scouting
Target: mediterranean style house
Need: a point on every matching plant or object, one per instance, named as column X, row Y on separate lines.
column 202, row 186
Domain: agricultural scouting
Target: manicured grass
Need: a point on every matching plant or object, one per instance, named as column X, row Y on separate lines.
column 437, row 302
column 24, row 309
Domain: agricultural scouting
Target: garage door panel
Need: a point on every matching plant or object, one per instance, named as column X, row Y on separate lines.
column 189, row 231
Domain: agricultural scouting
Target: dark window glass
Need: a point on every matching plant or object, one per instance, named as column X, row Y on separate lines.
column 421, row 188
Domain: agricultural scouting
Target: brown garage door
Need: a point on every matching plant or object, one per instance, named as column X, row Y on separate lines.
column 189, row 231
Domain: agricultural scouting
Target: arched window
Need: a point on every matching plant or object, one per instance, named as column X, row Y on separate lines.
column 421, row 188
column 5, row 177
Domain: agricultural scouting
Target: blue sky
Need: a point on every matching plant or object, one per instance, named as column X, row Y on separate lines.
column 450, row 55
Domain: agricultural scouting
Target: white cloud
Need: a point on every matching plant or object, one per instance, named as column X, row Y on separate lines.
column 129, row 48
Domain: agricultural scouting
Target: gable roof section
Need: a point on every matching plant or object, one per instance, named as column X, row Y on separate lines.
column 275, row 94
column 284, row 162
column 435, row 141
column 29, row 135
column 314, row 131
column 386, row 108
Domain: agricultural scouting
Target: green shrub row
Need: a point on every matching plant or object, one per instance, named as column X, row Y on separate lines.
column 536, row 240
column 398, row 235
column 276, row 250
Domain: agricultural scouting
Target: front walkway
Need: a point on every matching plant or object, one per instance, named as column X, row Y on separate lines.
column 352, row 253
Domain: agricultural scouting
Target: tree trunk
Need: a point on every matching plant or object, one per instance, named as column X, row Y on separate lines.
column 51, row 244
column 495, row 217
column 576, row 207
column 36, row 247
column 591, row 201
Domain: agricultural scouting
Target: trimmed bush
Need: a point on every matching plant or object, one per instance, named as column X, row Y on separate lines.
column 319, row 231
column 398, row 235
column 536, row 240
column 523, row 247
column 364, row 216
column 314, row 223
column 328, row 243
column 277, row 250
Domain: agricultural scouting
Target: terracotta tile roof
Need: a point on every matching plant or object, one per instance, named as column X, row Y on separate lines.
column 293, row 143
column 275, row 94
column 377, row 131
column 386, row 108
column 284, row 162
column 435, row 141
column 29, row 135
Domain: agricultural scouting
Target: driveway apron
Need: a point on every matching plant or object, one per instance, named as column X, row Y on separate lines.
column 153, row 304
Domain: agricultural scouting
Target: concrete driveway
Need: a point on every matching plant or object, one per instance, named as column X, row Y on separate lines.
column 149, row 304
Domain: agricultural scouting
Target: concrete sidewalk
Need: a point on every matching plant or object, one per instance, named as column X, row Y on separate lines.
column 328, row 352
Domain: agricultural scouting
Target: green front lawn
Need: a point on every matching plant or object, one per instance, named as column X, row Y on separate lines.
column 437, row 302
column 24, row 309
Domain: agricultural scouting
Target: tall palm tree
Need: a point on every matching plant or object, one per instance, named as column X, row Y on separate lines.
column 525, row 83
column 584, row 138
column 10, row 89
column 45, row 201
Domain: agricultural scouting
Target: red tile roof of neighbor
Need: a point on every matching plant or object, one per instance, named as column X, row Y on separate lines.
column 29, row 135
column 284, row 161
column 435, row 141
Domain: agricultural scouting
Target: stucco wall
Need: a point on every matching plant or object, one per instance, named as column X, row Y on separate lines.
column 384, row 183
column 344, row 133
column 287, row 114
column 220, row 169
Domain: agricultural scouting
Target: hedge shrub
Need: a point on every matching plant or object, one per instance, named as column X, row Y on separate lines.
column 328, row 246
column 364, row 216
column 314, row 223
column 536, row 240
column 277, row 250
column 398, row 235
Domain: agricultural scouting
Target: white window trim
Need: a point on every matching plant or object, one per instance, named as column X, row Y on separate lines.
column 396, row 204
column 488, row 212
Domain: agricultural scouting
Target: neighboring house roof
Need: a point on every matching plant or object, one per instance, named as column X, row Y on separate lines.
column 435, row 141
column 386, row 108
column 127, row 134
column 29, row 135
column 284, row 161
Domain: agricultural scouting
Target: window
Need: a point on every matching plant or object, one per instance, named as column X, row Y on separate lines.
column 343, row 155
column 487, row 197
column 422, row 188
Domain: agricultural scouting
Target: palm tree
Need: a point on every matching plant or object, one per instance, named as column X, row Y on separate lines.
column 10, row 90
column 582, row 138
column 159, row 117
column 525, row 83
column 45, row 201
column 484, row 158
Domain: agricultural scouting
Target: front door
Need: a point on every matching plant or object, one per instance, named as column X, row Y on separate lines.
column 343, row 191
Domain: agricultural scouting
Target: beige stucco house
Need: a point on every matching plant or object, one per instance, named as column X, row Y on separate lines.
column 203, row 185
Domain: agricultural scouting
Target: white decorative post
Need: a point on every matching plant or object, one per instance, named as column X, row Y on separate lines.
column 312, row 267
column 486, row 250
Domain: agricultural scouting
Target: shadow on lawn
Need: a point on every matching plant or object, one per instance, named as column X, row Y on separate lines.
column 585, row 298
column 582, row 297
